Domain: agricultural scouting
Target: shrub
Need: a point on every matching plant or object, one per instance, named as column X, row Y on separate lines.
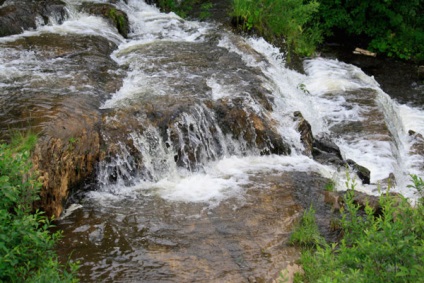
column 395, row 28
column 273, row 19
column 383, row 247
column 26, row 245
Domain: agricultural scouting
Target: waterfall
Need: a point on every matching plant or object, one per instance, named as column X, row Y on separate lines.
column 334, row 97
column 202, row 165
column 193, row 96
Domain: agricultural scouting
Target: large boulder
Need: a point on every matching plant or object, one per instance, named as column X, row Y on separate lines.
column 18, row 16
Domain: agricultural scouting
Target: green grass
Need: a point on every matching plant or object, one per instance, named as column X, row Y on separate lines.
column 306, row 233
column 387, row 246
column 26, row 244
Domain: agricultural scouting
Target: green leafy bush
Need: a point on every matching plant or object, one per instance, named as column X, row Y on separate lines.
column 26, row 245
column 395, row 28
column 273, row 19
column 387, row 246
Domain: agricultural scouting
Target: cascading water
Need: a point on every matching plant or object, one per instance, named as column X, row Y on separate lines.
column 202, row 153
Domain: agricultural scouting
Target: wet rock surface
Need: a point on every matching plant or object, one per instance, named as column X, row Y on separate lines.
column 17, row 16
column 238, row 240
column 190, row 117
column 55, row 91
column 363, row 173
column 326, row 151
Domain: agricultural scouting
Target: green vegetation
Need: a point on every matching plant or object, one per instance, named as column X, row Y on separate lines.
column 198, row 8
column 274, row 19
column 330, row 186
column 395, row 28
column 306, row 233
column 26, row 244
column 376, row 246
column 119, row 20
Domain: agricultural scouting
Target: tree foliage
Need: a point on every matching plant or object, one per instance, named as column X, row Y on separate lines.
column 394, row 28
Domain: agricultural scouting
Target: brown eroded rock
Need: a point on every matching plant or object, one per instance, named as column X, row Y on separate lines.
column 65, row 157
column 56, row 92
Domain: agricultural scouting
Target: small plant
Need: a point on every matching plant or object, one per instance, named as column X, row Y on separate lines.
column 306, row 232
column 330, row 186
column 417, row 184
column 23, row 141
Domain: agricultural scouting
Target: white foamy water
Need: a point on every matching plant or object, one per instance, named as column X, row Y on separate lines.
column 327, row 97
column 220, row 180
column 328, row 82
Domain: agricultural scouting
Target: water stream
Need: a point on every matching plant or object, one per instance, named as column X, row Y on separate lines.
column 203, row 156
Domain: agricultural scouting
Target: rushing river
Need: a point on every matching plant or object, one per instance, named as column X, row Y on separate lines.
column 204, row 198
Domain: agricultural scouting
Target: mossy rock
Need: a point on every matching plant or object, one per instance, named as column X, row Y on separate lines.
column 116, row 17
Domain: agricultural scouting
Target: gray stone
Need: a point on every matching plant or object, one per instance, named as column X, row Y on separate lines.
column 363, row 173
